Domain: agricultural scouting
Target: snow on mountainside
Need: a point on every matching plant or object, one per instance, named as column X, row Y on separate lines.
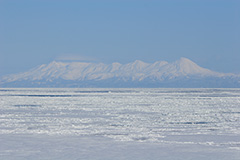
column 136, row 72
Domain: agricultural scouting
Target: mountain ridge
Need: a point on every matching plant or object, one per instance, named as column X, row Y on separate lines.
column 181, row 73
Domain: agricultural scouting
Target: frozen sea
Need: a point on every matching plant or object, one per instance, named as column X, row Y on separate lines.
column 107, row 124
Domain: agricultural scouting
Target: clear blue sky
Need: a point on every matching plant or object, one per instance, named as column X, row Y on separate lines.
column 33, row 32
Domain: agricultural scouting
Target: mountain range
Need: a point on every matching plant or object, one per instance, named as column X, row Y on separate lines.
column 181, row 73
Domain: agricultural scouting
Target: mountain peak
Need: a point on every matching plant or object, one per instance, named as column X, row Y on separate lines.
column 137, row 74
column 186, row 66
column 57, row 64
column 139, row 62
column 184, row 60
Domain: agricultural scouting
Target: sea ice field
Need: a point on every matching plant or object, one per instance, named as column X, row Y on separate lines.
column 117, row 124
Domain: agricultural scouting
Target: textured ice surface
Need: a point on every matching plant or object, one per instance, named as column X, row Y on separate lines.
column 108, row 123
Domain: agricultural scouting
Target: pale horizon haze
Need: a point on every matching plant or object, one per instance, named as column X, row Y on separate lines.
column 35, row 32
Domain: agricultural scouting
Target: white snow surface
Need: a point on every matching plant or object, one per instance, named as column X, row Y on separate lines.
column 169, row 124
column 136, row 71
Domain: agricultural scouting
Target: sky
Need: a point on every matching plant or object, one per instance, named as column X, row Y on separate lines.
column 35, row 32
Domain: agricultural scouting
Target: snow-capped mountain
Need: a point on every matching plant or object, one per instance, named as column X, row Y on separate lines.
column 181, row 73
